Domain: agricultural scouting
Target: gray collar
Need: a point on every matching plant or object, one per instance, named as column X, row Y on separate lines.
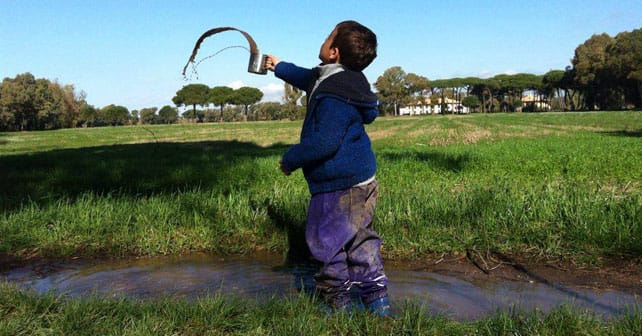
column 325, row 71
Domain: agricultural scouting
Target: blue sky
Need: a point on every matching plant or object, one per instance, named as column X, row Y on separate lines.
column 131, row 53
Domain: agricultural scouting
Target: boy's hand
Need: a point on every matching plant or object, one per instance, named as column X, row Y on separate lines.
column 285, row 171
column 271, row 62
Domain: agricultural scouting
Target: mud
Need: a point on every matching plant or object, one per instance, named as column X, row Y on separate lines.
column 463, row 287
column 615, row 274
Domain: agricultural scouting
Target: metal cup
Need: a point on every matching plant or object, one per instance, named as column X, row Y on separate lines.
column 257, row 64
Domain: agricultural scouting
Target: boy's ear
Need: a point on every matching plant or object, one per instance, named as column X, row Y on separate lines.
column 334, row 53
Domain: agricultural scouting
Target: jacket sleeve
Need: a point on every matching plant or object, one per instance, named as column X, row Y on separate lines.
column 294, row 75
column 331, row 123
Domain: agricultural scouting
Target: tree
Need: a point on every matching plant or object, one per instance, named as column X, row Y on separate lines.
column 471, row 101
column 192, row 94
column 47, row 107
column 553, row 86
column 590, row 71
column 392, row 88
column 221, row 95
column 571, row 89
column 486, row 89
column 148, row 115
column 246, row 96
column 168, row 114
column 457, row 85
column 625, row 63
column 417, row 85
column 292, row 95
column 87, row 115
column 113, row 115
column 134, row 117
column 27, row 103
column 440, row 85
column 7, row 120
column 194, row 115
column 17, row 100
column 511, row 88
column 69, row 104
column 293, row 103
column 270, row 111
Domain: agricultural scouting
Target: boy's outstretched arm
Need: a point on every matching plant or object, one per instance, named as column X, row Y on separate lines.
column 292, row 74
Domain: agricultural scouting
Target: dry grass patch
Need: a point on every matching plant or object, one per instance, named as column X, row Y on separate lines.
column 388, row 132
column 464, row 133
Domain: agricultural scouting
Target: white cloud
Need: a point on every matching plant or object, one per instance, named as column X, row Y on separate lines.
column 236, row 84
column 272, row 92
column 485, row 74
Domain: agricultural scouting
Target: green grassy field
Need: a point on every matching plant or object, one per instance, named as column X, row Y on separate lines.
column 546, row 185
column 552, row 184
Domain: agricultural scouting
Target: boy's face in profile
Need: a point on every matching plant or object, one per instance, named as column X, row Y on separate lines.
column 327, row 53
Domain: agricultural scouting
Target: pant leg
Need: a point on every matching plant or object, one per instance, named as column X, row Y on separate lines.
column 328, row 230
column 364, row 257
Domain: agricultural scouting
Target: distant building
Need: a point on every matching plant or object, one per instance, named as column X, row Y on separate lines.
column 424, row 105
column 533, row 103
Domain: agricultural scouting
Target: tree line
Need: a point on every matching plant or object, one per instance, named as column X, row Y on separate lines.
column 27, row 103
column 222, row 103
column 605, row 74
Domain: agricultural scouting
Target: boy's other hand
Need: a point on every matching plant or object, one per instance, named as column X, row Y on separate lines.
column 283, row 169
column 271, row 62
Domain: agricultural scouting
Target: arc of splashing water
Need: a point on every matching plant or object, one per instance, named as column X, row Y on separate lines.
column 253, row 48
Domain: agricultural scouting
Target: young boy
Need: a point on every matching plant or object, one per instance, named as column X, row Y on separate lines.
column 339, row 166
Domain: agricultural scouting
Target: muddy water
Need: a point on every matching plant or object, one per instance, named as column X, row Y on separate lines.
column 197, row 276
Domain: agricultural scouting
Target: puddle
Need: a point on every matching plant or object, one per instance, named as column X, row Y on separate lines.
column 197, row 276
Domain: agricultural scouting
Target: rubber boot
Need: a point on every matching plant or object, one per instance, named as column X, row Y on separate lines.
column 380, row 307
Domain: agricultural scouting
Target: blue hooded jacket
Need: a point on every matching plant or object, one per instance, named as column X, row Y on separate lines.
column 334, row 149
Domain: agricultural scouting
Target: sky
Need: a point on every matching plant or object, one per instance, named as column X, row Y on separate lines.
column 132, row 52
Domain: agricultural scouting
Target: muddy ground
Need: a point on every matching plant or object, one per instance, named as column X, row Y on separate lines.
column 625, row 275
column 615, row 274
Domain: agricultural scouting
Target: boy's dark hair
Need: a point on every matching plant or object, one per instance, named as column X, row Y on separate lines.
column 356, row 43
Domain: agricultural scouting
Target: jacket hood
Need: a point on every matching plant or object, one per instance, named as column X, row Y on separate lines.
column 353, row 88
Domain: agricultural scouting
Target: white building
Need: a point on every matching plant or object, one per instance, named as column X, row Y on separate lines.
column 533, row 103
column 424, row 105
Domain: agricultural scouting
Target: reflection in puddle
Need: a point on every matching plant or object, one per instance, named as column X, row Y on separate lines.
column 195, row 276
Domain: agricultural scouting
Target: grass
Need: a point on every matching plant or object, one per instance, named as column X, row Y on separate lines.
column 549, row 185
column 29, row 314
column 546, row 184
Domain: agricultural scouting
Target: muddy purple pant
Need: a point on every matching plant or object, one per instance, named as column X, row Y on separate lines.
column 339, row 233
